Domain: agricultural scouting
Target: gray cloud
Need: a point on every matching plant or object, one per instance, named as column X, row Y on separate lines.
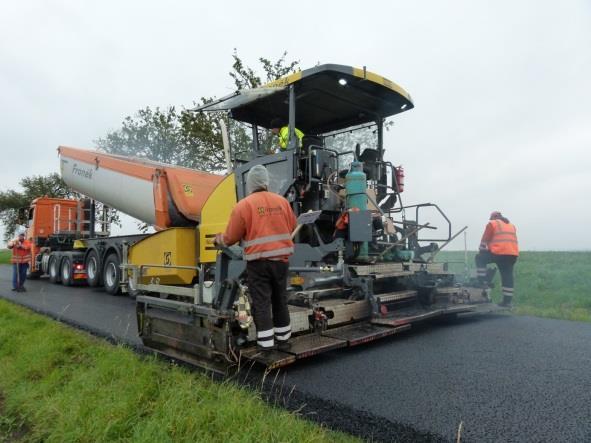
column 502, row 95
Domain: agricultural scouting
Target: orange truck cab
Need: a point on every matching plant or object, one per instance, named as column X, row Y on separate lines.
column 71, row 242
column 53, row 224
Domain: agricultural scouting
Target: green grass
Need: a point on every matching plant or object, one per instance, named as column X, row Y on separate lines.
column 547, row 284
column 5, row 255
column 61, row 385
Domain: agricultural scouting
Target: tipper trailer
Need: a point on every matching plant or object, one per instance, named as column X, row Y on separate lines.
column 71, row 238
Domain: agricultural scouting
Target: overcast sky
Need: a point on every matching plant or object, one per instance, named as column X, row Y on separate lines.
column 502, row 89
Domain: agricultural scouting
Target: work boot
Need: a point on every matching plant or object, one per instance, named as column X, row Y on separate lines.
column 266, row 348
column 507, row 302
column 15, row 289
column 22, row 289
column 283, row 346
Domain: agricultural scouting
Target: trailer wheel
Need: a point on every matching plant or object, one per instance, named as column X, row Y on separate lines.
column 66, row 272
column 93, row 272
column 53, row 270
column 112, row 274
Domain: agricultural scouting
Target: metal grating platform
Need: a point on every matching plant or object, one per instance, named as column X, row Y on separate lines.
column 301, row 347
column 363, row 333
column 395, row 296
column 398, row 269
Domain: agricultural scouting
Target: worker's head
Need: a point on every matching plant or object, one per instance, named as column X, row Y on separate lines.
column 21, row 234
column 495, row 215
column 276, row 125
column 257, row 179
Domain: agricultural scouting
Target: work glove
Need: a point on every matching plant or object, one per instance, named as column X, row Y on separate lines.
column 219, row 240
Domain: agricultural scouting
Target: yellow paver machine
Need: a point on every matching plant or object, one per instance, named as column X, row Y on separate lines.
column 363, row 267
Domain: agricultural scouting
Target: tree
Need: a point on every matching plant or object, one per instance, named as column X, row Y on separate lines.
column 12, row 201
column 190, row 139
column 246, row 78
column 187, row 138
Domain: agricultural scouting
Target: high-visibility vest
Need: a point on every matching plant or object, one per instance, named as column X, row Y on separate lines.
column 264, row 221
column 284, row 137
column 22, row 254
column 504, row 238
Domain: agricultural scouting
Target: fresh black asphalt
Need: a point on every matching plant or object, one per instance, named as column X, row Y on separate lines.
column 505, row 378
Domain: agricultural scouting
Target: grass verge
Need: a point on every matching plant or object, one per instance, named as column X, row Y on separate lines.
column 58, row 384
column 5, row 255
column 547, row 284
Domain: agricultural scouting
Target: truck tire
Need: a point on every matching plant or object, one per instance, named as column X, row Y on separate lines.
column 112, row 274
column 94, row 276
column 66, row 272
column 53, row 269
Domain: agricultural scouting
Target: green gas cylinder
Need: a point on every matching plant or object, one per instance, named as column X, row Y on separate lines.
column 356, row 189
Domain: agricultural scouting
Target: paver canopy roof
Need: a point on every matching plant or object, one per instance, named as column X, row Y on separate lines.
column 328, row 98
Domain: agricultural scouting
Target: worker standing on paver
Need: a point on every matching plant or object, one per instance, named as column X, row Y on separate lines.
column 498, row 245
column 264, row 221
column 279, row 128
column 21, row 256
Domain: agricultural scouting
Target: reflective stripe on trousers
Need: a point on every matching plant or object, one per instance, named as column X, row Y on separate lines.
column 265, row 338
column 507, row 292
column 283, row 333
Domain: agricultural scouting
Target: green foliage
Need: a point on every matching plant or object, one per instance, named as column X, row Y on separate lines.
column 186, row 138
column 12, row 201
column 246, row 78
column 62, row 385
column 553, row 284
column 5, row 255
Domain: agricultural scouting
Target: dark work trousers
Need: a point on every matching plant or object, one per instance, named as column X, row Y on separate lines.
column 267, row 284
column 505, row 264
column 19, row 274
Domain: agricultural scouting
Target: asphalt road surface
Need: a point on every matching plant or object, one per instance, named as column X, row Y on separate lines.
column 504, row 378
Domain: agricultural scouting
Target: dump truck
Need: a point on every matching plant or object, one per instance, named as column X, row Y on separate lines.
column 71, row 238
column 373, row 276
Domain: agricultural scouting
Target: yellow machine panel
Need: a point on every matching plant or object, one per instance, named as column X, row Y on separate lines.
column 171, row 247
column 214, row 217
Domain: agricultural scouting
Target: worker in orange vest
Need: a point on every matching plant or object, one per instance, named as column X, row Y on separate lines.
column 498, row 245
column 264, row 221
column 21, row 257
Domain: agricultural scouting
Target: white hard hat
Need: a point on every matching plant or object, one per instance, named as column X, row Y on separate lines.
column 257, row 178
column 21, row 231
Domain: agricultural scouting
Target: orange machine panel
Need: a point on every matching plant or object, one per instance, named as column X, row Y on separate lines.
column 190, row 189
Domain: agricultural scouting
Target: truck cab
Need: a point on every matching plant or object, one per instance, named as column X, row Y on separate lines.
column 51, row 225
column 64, row 233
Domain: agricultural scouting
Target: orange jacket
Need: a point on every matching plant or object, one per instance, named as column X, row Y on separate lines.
column 21, row 252
column 264, row 221
column 500, row 238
